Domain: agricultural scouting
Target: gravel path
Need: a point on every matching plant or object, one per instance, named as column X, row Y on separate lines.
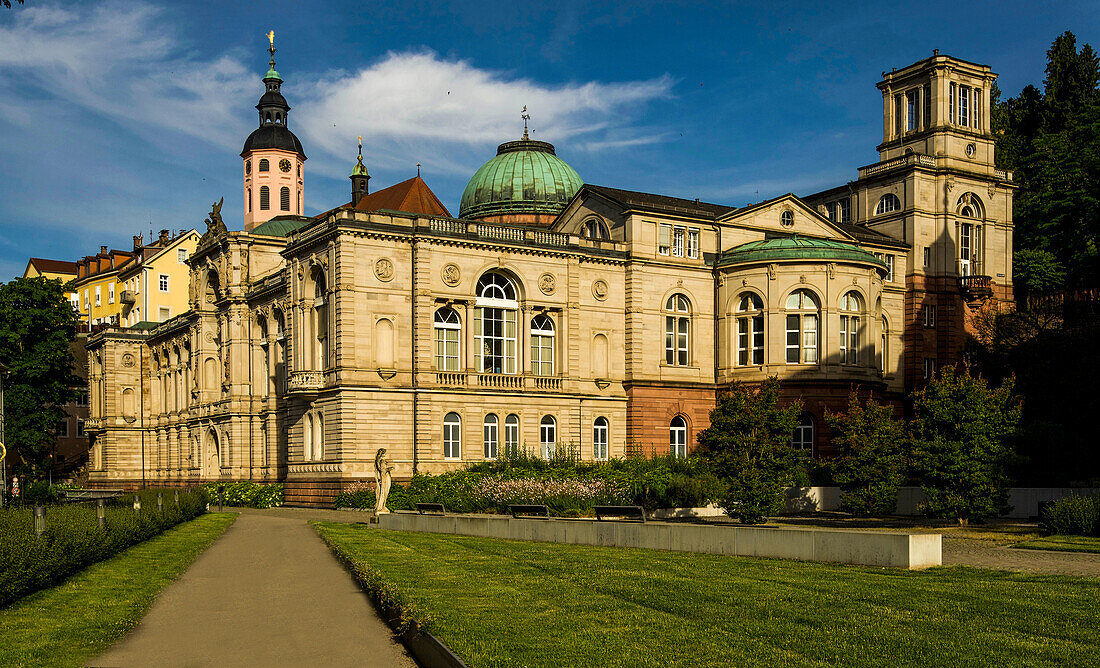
column 978, row 553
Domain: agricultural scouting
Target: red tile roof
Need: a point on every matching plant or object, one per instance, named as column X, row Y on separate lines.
column 54, row 266
column 412, row 196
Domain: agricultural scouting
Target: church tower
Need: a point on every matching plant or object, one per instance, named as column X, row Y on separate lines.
column 273, row 158
column 359, row 178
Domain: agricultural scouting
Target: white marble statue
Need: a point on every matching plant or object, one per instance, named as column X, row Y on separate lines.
column 383, row 471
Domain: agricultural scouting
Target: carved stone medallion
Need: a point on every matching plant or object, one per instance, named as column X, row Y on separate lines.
column 128, row 360
column 383, row 269
column 451, row 274
column 546, row 284
column 600, row 289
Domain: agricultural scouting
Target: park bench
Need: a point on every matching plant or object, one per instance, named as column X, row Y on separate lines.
column 430, row 508
column 534, row 512
column 630, row 513
column 73, row 495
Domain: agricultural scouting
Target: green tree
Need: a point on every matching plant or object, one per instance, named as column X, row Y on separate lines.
column 962, row 444
column 871, row 462
column 749, row 444
column 1036, row 272
column 37, row 323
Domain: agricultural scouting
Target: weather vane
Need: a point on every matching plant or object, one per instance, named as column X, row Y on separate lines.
column 526, row 117
column 271, row 49
column 418, row 169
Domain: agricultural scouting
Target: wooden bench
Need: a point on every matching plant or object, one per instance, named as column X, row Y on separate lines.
column 533, row 512
column 430, row 508
column 629, row 513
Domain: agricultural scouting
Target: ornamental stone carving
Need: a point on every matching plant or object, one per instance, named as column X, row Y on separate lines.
column 128, row 360
column 546, row 284
column 383, row 269
column 600, row 289
column 451, row 274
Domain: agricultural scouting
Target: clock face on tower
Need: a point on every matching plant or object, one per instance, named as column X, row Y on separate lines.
column 284, row 165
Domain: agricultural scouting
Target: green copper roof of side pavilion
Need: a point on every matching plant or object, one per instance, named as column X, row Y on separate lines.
column 795, row 248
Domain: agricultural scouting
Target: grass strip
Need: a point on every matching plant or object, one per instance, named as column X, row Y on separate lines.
column 513, row 603
column 1063, row 544
column 76, row 620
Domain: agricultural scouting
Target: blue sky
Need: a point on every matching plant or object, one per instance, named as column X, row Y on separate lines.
column 122, row 116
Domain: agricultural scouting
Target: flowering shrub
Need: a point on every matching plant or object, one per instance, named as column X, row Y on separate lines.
column 246, row 494
column 359, row 494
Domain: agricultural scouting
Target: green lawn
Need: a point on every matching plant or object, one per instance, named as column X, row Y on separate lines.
column 1064, row 544
column 510, row 603
column 68, row 624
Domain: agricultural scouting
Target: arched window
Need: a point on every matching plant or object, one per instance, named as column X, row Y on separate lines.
column 887, row 203
column 452, row 436
column 677, row 330
column 265, row 166
column 313, row 438
column 250, row 200
column 596, row 230
column 677, row 437
column 263, row 355
column 280, row 350
column 511, row 435
column 548, row 436
column 247, row 167
column 542, row 346
column 495, row 324
column 320, row 319
column 802, row 327
column 492, row 438
column 448, row 332
column 970, row 205
column 750, row 330
column 599, row 438
column 884, row 343
column 284, row 198
column 851, row 306
column 803, row 437
column 318, row 435
column 265, row 198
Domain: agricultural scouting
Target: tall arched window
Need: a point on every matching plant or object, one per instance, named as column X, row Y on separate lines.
column 750, row 330
column 318, row 435
column 887, row 203
column 802, row 327
column 452, row 436
column 851, row 306
column 313, row 435
column 599, row 438
column 265, row 166
column 264, row 356
column 677, row 330
column 542, row 346
column 448, row 333
column 548, row 436
column 511, row 435
column 677, row 437
column 884, row 343
column 320, row 320
column 803, row 437
column 265, row 198
column 284, row 198
column 250, row 200
column 491, row 436
column 495, row 324
column 280, row 351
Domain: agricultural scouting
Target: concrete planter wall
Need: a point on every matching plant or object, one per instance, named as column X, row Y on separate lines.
column 1024, row 500
column 889, row 549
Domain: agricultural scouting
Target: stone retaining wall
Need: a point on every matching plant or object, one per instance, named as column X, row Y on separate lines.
column 869, row 548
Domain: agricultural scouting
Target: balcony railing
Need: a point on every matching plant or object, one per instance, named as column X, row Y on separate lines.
column 450, row 378
column 305, row 381
column 975, row 287
column 500, row 380
column 546, row 382
column 128, row 297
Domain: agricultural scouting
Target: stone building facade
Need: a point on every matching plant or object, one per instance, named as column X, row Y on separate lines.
column 604, row 329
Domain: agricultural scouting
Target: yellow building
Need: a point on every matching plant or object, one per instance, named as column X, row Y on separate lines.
column 62, row 270
column 154, row 282
column 97, row 286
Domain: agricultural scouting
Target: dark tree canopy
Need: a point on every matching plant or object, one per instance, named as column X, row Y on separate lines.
column 37, row 322
column 871, row 462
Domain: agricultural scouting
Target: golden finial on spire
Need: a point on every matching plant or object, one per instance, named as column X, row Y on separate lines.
column 526, row 117
column 360, row 146
column 271, row 48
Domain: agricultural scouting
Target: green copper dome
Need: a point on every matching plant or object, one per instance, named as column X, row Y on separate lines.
column 525, row 177
column 797, row 248
column 272, row 74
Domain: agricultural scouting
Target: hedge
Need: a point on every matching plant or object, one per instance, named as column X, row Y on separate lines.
column 246, row 494
column 1072, row 516
column 73, row 539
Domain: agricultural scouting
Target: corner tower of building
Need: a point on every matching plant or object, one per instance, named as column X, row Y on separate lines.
column 274, row 162
column 525, row 184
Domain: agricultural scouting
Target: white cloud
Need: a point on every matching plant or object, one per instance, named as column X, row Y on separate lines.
column 418, row 104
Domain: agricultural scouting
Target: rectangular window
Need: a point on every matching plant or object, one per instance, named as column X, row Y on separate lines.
column 845, row 206
column 964, row 105
column 98, row 296
column 809, row 339
column 927, row 105
column 599, row 439
column 86, row 304
column 928, row 314
column 111, row 293
column 742, row 341
column 542, row 355
column 927, row 256
column 977, row 124
column 929, row 367
column 181, row 255
column 664, row 239
column 80, row 429
column 899, row 115
column 912, row 110
column 693, row 243
column 511, row 435
column 889, row 260
column 163, row 282
column 165, row 313
column 75, row 301
column 849, row 339
column 678, row 241
column 496, row 337
column 452, row 439
column 62, row 428
column 750, row 340
column 491, row 440
column 951, row 96
column 793, row 333
column 446, row 349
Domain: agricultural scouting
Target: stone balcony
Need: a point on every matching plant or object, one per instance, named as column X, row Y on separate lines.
column 975, row 288
column 501, row 381
column 301, row 382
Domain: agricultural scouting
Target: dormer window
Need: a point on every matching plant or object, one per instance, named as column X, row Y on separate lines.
column 596, row 230
column 887, row 203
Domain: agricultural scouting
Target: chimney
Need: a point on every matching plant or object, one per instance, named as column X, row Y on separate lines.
column 137, row 242
column 163, row 240
column 102, row 250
